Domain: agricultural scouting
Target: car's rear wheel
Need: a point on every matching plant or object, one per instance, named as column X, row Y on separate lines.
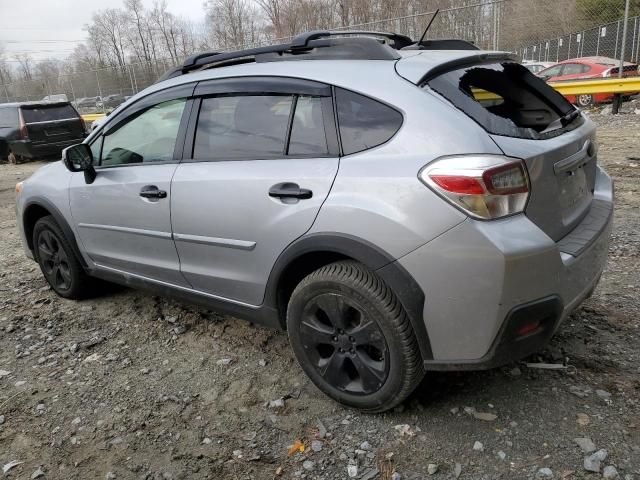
column 584, row 101
column 58, row 263
column 352, row 337
column 13, row 158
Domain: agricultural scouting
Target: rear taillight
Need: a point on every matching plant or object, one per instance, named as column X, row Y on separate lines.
column 24, row 133
column 483, row 186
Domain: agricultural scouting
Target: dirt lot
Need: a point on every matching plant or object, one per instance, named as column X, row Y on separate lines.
column 130, row 385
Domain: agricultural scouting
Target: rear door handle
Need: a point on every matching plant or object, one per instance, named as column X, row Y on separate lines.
column 151, row 191
column 289, row 190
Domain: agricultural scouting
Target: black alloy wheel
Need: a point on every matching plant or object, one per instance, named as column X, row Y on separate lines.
column 352, row 337
column 58, row 262
column 346, row 348
column 54, row 261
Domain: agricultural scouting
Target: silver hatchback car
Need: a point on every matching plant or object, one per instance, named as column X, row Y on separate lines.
column 397, row 207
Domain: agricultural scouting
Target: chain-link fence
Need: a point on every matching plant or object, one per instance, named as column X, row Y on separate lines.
column 604, row 40
column 543, row 30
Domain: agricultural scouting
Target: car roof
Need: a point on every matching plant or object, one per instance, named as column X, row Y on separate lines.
column 599, row 59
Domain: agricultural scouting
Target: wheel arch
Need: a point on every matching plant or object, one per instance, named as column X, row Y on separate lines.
column 313, row 251
column 37, row 208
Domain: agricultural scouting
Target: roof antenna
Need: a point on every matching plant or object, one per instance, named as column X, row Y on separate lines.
column 435, row 14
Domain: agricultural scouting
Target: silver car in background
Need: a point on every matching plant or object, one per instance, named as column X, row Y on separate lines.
column 397, row 207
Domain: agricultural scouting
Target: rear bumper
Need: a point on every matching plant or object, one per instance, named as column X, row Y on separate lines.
column 482, row 280
column 29, row 149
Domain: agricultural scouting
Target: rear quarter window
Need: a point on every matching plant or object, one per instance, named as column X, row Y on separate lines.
column 8, row 117
column 48, row 113
column 364, row 123
column 506, row 99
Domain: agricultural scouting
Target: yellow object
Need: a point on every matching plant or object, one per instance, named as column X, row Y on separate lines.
column 598, row 85
column 581, row 87
column 92, row 117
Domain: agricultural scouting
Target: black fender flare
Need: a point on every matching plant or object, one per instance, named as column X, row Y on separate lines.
column 394, row 275
column 60, row 220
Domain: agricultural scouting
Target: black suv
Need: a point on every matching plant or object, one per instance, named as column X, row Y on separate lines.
column 38, row 129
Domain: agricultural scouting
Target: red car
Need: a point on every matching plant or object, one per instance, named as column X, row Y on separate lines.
column 587, row 67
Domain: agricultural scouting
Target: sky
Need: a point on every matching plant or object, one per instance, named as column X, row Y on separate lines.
column 52, row 28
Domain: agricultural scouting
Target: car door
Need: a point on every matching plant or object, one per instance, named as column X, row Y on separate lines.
column 262, row 158
column 123, row 218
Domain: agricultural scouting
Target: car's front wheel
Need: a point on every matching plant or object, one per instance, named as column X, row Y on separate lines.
column 58, row 263
column 352, row 337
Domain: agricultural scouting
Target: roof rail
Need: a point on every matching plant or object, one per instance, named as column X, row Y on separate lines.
column 312, row 45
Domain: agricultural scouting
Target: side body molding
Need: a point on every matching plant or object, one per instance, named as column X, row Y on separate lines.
column 395, row 276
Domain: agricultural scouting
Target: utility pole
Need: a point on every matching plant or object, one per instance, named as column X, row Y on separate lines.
column 617, row 100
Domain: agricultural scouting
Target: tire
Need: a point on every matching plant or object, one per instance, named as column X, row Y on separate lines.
column 13, row 159
column 352, row 337
column 584, row 101
column 58, row 262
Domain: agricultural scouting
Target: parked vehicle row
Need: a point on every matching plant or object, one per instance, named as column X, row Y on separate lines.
column 108, row 102
column 347, row 190
column 38, row 129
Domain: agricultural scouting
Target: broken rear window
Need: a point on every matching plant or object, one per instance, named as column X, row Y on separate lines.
column 507, row 99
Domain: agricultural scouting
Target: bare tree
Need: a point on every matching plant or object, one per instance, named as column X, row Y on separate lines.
column 5, row 69
column 135, row 11
column 233, row 23
column 108, row 29
column 25, row 66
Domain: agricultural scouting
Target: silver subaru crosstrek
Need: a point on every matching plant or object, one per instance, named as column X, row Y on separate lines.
column 397, row 207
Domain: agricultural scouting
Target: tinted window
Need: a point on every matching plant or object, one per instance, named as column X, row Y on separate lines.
column 47, row 114
column 9, row 117
column 505, row 99
column 364, row 123
column 307, row 131
column 239, row 127
column 149, row 137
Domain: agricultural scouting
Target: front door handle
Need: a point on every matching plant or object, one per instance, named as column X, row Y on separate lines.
column 289, row 190
column 151, row 191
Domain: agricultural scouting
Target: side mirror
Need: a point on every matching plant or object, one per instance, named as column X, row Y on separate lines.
column 79, row 158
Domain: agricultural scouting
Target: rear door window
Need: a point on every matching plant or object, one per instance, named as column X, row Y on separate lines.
column 9, row 117
column 506, row 99
column 46, row 113
column 363, row 122
column 242, row 127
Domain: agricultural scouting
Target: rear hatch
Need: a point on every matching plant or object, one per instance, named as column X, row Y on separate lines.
column 52, row 123
column 528, row 120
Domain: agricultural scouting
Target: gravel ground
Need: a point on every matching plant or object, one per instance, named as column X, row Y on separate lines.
column 129, row 385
